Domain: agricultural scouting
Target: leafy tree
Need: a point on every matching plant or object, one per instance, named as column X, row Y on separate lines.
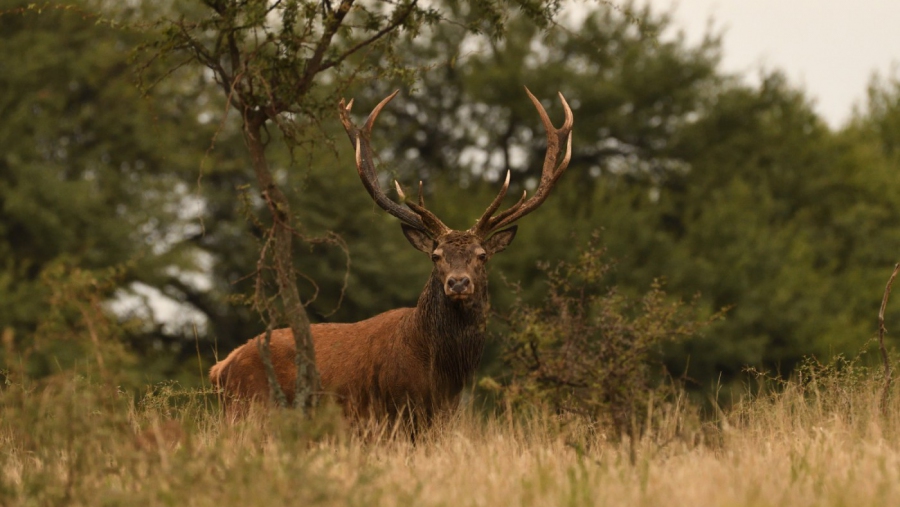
column 90, row 177
column 737, row 192
column 775, row 217
column 879, row 119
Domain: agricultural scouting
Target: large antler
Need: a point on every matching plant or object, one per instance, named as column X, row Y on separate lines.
column 416, row 215
column 550, row 173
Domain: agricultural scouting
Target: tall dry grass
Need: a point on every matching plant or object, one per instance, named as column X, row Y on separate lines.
column 816, row 440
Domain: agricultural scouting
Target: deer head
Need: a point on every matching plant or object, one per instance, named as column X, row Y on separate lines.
column 459, row 257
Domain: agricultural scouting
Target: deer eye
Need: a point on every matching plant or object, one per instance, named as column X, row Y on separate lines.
column 482, row 256
column 435, row 257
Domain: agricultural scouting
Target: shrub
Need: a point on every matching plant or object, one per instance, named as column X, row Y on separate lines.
column 590, row 351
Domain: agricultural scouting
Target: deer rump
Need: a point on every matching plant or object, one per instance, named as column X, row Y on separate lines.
column 367, row 366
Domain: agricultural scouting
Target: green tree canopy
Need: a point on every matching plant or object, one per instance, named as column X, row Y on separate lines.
column 737, row 192
column 93, row 175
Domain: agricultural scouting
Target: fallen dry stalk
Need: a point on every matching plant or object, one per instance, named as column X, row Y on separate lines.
column 888, row 371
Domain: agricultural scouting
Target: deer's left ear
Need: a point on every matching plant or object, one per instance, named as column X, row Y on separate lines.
column 499, row 241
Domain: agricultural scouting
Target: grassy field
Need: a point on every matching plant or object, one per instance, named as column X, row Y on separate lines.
column 814, row 441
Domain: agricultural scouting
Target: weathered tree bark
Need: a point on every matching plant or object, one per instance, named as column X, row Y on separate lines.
column 308, row 385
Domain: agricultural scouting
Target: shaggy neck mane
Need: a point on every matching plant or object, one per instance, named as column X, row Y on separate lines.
column 450, row 333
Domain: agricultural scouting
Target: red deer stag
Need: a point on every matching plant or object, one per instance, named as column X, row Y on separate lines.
column 408, row 360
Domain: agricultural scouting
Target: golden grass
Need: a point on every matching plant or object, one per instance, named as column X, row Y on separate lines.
column 815, row 444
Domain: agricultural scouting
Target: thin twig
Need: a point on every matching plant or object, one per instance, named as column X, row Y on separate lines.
column 95, row 339
column 888, row 371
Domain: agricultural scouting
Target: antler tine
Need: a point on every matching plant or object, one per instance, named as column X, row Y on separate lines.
column 550, row 172
column 365, row 166
column 400, row 192
column 509, row 211
column 482, row 222
column 555, row 138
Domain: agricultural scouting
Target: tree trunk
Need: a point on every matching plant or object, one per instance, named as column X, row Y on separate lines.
column 308, row 385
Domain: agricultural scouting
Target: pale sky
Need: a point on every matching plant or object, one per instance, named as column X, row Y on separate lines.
column 829, row 48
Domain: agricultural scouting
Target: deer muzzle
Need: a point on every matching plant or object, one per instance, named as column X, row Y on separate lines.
column 458, row 286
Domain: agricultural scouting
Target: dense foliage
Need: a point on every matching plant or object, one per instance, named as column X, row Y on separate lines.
column 590, row 353
column 736, row 193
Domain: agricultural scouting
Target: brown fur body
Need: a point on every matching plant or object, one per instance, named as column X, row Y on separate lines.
column 408, row 359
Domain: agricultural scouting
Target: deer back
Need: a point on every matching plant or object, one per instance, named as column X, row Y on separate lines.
column 356, row 362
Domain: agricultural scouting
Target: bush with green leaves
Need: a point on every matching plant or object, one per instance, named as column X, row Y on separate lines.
column 591, row 351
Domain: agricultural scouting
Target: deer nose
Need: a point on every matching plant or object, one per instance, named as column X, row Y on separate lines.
column 459, row 284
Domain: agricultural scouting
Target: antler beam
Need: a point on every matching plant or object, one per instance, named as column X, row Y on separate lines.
column 416, row 215
column 550, row 173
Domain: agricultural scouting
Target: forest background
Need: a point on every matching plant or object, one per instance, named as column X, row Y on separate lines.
column 125, row 188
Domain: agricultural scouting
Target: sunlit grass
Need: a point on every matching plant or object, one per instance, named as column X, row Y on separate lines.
column 818, row 440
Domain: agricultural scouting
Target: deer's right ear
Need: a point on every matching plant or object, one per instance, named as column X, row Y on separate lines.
column 418, row 238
